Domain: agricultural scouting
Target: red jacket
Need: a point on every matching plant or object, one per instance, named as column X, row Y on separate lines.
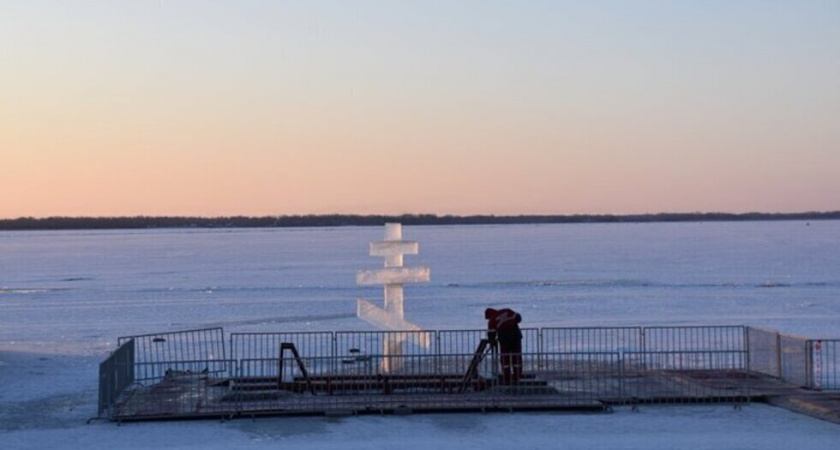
column 501, row 319
column 502, row 323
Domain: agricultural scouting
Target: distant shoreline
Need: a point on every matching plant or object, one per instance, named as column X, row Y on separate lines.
column 336, row 220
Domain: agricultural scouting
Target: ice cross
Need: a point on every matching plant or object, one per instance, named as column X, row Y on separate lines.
column 393, row 276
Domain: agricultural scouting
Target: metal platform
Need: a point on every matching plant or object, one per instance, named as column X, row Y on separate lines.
column 186, row 375
column 188, row 395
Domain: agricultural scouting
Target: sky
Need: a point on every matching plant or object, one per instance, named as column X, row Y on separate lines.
column 111, row 108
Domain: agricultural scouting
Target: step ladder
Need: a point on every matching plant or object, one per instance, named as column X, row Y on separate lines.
column 291, row 347
column 484, row 347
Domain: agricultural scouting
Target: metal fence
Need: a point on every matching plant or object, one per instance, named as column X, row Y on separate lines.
column 694, row 338
column 782, row 356
column 764, row 351
column 310, row 386
column 686, row 376
column 826, row 363
column 267, row 345
column 795, row 357
column 206, row 343
column 116, row 374
column 186, row 373
column 179, row 389
column 593, row 339
column 189, row 345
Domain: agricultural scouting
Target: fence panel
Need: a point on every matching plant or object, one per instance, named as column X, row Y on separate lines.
column 795, row 360
column 420, row 384
column 582, row 377
column 428, row 370
column 688, row 360
column 368, row 347
column 592, row 339
column 466, row 341
column 463, row 342
column 208, row 343
column 148, row 373
column 115, row 375
column 694, row 338
column 348, row 343
column 459, row 342
column 265, row 385
column 564, row 380
column 765, row 355
column 181, row 389
column 456, row 348
column 267, row 345
column 826, row 363
column 686, row 376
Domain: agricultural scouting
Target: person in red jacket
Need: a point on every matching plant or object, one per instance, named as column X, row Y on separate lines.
column 503, row 328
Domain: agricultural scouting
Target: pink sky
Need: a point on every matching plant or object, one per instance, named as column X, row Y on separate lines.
column 210, row 108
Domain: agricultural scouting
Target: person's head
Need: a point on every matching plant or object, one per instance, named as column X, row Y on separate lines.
column 489, row 312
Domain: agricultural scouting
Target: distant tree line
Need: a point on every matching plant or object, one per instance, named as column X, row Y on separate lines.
column 338, row 220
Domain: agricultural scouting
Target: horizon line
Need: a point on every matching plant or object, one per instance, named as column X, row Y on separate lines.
column 332, row 220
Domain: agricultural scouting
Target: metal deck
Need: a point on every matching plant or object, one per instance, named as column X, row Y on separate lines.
column 186, row 375
column 185, row 396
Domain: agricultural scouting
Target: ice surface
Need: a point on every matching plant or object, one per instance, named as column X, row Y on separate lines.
column 66, row 296
column 757, row 427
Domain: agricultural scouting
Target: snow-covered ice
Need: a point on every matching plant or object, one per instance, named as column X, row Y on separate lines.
column 66, row 296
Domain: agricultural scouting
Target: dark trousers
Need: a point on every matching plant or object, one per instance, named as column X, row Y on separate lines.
column 510, row 346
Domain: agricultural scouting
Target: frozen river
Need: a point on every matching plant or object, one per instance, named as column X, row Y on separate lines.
column 66, row 296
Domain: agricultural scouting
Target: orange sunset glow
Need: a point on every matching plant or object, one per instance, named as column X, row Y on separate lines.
column 211, row 108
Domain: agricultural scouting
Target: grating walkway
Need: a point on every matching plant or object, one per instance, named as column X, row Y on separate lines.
column 200, row 395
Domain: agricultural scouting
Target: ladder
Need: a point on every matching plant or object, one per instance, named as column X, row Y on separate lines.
column 291, row 347
column 478, row 357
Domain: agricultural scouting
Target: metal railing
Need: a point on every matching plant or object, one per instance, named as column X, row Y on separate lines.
column 568, row 367
column 796, row 364
column 782, row 356
column 375, row 342
column 311, row 386
column 686, row 376
column 178, row 389
column 764, row 351
column 267, row 345
column 592, row 339
column 825, row 356
column 694, row 338
column 116, row 374
column 206, row 343
column 189, row 345
column 585, row 376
